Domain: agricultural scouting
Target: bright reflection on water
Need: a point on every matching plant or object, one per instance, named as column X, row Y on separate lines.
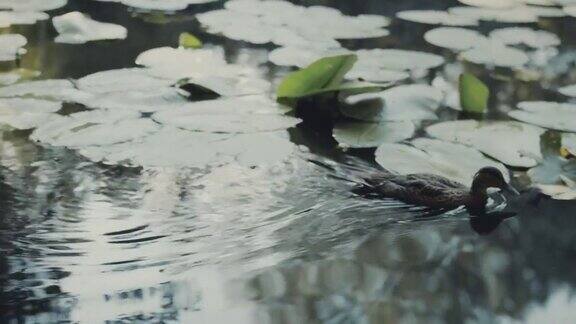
column 284, row 243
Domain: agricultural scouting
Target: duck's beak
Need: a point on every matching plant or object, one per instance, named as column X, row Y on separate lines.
column 511, row 190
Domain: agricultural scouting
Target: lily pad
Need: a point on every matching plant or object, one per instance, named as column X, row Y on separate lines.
column 172, row 147
column 569, row 90
column 229, row 115
column 11, row 46
column 552, row 115
column 408, row 102
column 514, row 144
column 77, row 28
column 525, row 36
column 494, row 53
column 120, row 80
column 517, row 15
column 8, row 18
column 168, row 63
column 363, row 135
column 456, row 39
column 27, row 113
column 474, row 94
column 32, row 5
column 59, row 90
column 435, row 17
column 454, row 161
column 286, row 24
column 164, row 5
column 496, row 4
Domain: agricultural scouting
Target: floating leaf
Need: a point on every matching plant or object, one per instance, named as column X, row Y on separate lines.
column 512, row 143
column 474, row 94
column 406, row 102
column 454, row 161
column 457, row 39
column 188, row 40
column 362, row 134
column 553, row 115
column 77, row 28
column 324, row 75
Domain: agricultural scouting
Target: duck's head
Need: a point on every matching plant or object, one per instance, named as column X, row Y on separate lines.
column 490, row 177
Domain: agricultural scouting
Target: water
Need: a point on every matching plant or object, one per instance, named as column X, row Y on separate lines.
column 84, row 242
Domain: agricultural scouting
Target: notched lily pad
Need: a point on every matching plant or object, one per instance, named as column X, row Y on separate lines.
column 364, row 134
column 11, row 46
column 512, row 143
column 454, row 161
column 408, row 102
column 552, row 115
column 77, row 28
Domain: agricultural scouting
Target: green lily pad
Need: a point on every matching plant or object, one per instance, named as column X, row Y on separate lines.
column 188, row 40
column 474, row 94
column 323, row 76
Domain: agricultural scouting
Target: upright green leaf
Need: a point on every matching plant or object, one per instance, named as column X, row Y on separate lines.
column 324, row 75
column 188, row 40
column 474, row 94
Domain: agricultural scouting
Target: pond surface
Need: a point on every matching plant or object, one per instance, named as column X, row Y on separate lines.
column 239, row 240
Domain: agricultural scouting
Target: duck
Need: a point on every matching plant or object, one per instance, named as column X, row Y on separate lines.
column 437, row 192
column 421, row 189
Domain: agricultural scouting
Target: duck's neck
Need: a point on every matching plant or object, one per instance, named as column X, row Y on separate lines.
column 479, row 193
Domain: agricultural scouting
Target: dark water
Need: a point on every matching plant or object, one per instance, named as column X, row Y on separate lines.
column 81, row 242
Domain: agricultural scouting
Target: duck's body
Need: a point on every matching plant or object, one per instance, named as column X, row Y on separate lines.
column 428, row 190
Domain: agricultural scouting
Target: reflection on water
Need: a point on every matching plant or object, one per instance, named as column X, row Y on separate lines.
column 285, row 243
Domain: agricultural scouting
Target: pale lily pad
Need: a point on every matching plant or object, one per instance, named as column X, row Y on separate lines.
column 120, row 80
column 525, row 36
column 32, row 5
column 77, row 28
column 408, row 102
column 456, row 39
column 512, row 143
column 80, row 132
column 302, row 56
column 145, row 101
column 179, row 63
column 454, row 161
column 496, row 4
column 494, row 53
column 8, row 78
column 552, row 115
column 27, row 113
column 172, row 147
column 569, row 90
column 60, row 90
column 570, row 10
column 396, row 60
column 435, row 17
column 363, row 135
column 231, row 115
column 284, row 23
column 8, row 18
column 521, row 14
column 11, row 46
column 164, row 5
